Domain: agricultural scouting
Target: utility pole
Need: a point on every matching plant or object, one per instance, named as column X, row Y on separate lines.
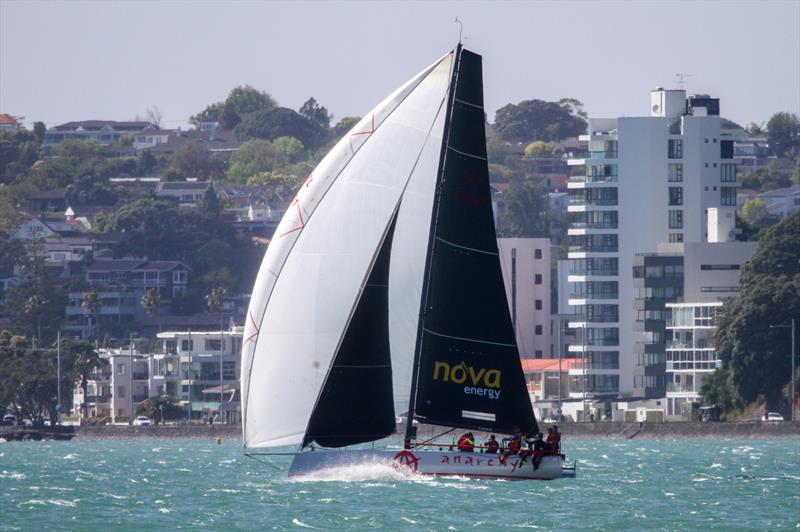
column 58, row 382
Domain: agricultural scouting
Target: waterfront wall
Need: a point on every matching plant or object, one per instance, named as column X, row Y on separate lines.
column 577, row 431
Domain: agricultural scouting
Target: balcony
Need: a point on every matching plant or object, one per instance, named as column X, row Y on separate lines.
column 140, row 376
column 595, row 272
column 675, row 387
column 602, row 155
column 594, row 225
column 593, row 249
column 602, row 342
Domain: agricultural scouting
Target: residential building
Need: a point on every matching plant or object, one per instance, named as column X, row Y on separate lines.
column 166, row 142
column 104, row 132
column 187, row 368
column 120, row 285
column 41, row 227
column 8, row 123
column 185, row 193
column 526, row 271
column 643, row 180
column 550, row 386
column 752, row 153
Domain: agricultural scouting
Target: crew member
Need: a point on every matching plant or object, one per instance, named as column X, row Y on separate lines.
column 466, row 443
column 554, row 440
column 491, row 445
column 514, row 446
column 538, row 448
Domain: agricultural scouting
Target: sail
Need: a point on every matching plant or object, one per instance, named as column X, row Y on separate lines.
column 361, row 373
column 469, row 372
column 320, row 257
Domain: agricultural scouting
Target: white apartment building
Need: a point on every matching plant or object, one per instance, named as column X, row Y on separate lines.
column 526, row 272
column 643, row 181
column 188, row 368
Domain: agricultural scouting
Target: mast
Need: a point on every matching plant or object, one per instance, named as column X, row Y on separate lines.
column 423, row 309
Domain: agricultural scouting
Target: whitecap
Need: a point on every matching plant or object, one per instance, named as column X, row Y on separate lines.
column 298, row 522
column 164, row 510
column 407, row 520
column 355, row 473
column 715, row 466
column 13, row 475
column 71, row 456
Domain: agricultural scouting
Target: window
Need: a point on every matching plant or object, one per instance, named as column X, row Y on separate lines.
column 676, row 237
column 538, row 353
column 538, row 304
column 213, row 345
column 675, row 172
column 121, row 369
column 727, row 196
column 675, row 219
column 179, row 277
column 719, row 266
column 537, row 279
column 229, row 370
column 675, row 149
column 537, row 253
column 675, row 196
column 727, row 173
column 121, row 391
column 187, row 345
column 538, row 330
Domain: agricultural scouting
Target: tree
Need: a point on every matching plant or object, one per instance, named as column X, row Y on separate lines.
column 753, row 353
column 29, row 383
column 81, row 362
column 228, row 118
column 126, row 140
column 724, row 123
column 252, row 157
column 173, row 174
column 155, row 407
column 147, row 162
column 246, row 99
column 151, row 303
column 754, row 210
column 39, row 130
column 524, row 211
column 538, row 120
column 291, row 149
column 90, row 301
column 209, row 204
column 192, row 160
column 316, row 113
column 345, row 124
column 154, row 115
column 538, row 149
column 269, row 124
column 783, row 133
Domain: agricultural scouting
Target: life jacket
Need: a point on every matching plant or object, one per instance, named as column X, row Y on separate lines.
column 466, row 444
column 513, row 445
column 492, row 446
column 554, row 441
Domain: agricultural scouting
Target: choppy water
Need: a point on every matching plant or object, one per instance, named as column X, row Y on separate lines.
column 163, row 484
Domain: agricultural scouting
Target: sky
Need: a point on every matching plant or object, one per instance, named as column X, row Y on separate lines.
column 70, row 60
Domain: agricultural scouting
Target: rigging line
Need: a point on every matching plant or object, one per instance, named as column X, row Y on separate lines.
column 465, row 247
column 467, row 339
column 449, row 147
column 356, row 366
column 437, row 436
column 475, row 105
column 334, row 178
column 264, row 462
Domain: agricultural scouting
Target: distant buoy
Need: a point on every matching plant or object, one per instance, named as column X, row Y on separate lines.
column 219, row 440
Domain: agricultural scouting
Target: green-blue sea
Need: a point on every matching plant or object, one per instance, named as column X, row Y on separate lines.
column 194, row 484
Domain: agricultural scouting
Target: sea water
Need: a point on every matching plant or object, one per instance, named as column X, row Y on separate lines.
column 194, row 484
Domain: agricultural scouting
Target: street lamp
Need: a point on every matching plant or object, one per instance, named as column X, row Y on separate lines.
column 792, row 357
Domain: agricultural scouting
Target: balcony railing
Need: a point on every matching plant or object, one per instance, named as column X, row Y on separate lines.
column 679, row 387
column 596, row 272
column 594, row 295
column 140, row 376
column 98, row 398
column 602, row 342
column 594, row 225
column 601, row 318
column 602, row 154
column 593, row 249
column 595, row 365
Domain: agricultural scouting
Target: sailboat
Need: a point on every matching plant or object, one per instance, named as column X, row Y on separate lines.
column 381, row 292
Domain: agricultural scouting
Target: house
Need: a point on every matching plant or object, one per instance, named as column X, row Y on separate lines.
column 8, row 123
column 120, row 285
column 52, row 200
column 104, row 132
column 221, row 142
column 185, row 193
column 41, row 227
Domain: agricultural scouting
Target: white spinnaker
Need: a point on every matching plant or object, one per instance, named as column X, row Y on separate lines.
column 315, row 266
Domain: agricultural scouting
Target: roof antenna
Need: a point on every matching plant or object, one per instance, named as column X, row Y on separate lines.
column 460, row 29
column 681, row 80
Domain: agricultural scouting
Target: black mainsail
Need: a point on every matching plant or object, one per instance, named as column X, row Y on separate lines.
column 467, row 368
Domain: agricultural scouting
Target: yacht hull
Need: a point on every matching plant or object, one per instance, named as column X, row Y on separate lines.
column 435, row 463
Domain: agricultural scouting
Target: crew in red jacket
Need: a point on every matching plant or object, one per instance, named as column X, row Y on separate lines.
column 554, row 440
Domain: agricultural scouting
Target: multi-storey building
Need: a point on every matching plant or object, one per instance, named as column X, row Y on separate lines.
column 193, row 367
column 526, row 271
column 644, row 180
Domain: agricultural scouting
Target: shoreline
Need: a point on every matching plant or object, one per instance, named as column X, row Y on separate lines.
column 577, row 431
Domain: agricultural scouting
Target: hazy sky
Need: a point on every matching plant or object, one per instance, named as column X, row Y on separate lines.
column 62, row 61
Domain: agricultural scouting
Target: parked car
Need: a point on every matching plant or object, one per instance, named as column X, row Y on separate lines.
column 772, row 416
column 9, row 420
column 142, row 421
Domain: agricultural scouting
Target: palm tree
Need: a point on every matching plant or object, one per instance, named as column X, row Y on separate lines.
column 151, row 302
column 91, row 303
column 215, row 301
column 84, row 360
column 33, row 308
